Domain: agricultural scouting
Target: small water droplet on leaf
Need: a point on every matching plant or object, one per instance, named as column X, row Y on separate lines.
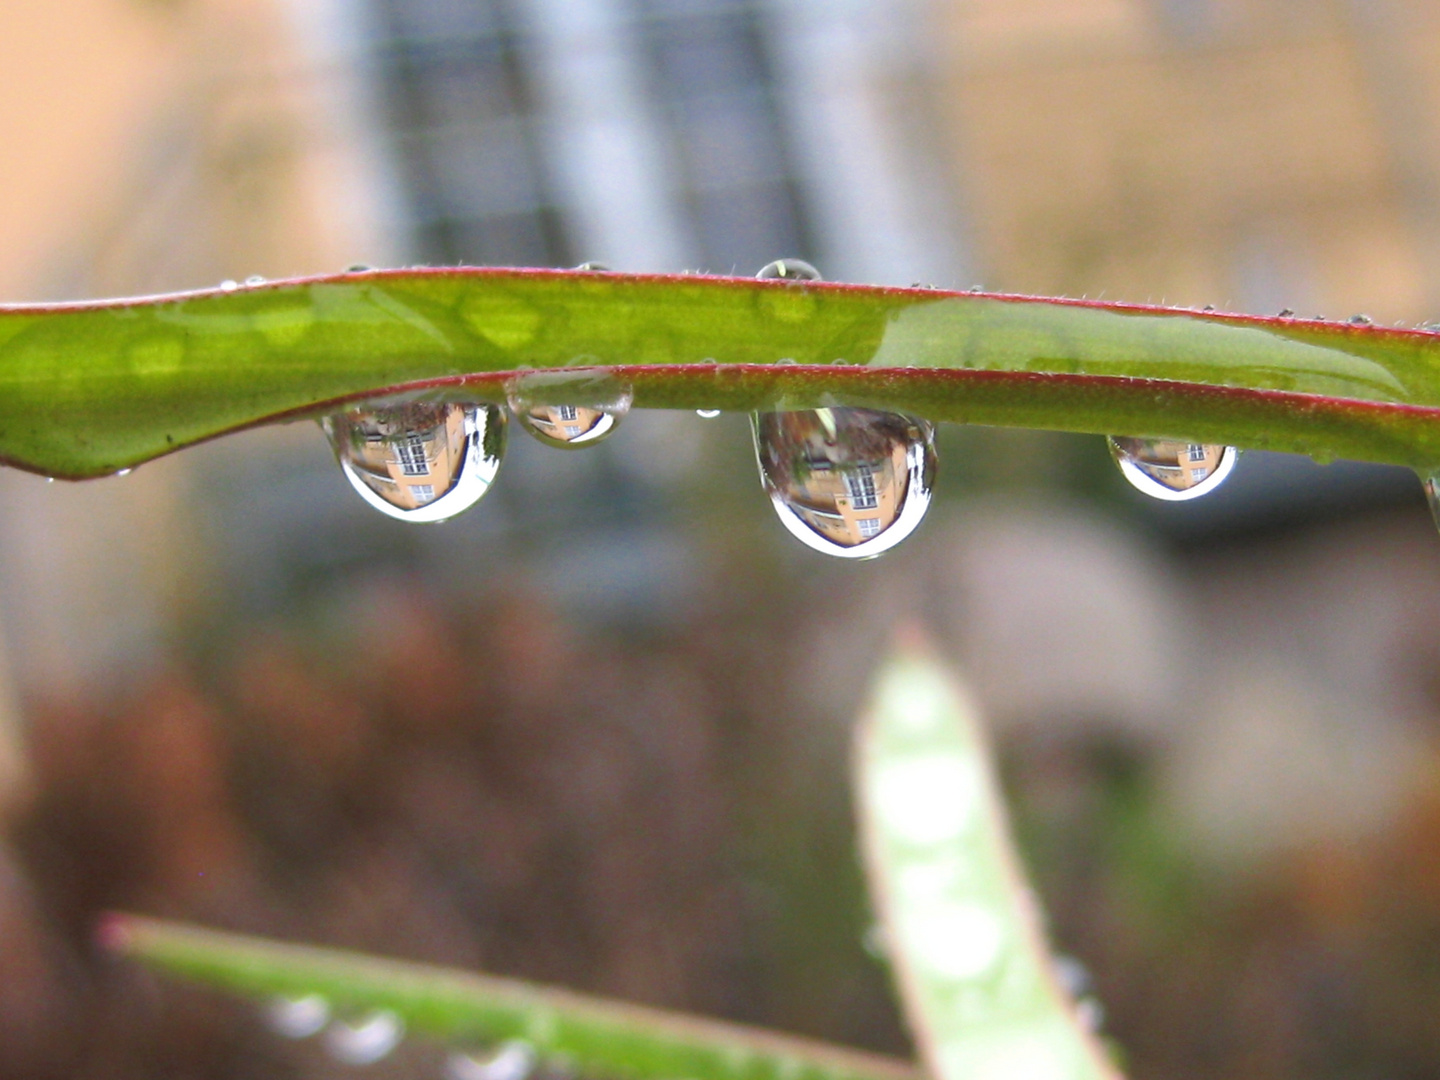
column 788, row 270
column 366, row 1042
column 419, row 461
column 298, row 1018
column 568, row 411
column 229, row 285
column 593, row 267
column 1172, row 470
column 847, row 482
column 513, row 1060
column 254, row 279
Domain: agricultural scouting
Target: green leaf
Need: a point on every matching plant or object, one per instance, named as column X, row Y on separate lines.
column 86, row 389
column 962, row 928
column 597, row 1037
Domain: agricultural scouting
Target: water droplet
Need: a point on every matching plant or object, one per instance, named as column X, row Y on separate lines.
column 229, row 284
column 1361, row 320
column 568, row 410
column 1072, row 975
column 49, row 479
column 707, row 414
column 358, row 268
column 298, row 1018
column 1172, row 470
column 254, row 279
column 789, row 270
column 786, row 361
column 1286, row 313
column 1431, row 484
column 847, row 482
column 594, row 267
column 123, row 472
column 366, row 1042
column 513, row 1060
column 875, row 942
column 1090, row 1014
column 1208, row 307
column 977, row 288
column 418, row 461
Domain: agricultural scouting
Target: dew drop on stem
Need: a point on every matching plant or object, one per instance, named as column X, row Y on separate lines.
column 367, row 1041
column 568, row 412
column 788, row 270
column 419, row 461
column 514, row 1060
column 1172, row 470
column 299, row 1017
column 851, row 483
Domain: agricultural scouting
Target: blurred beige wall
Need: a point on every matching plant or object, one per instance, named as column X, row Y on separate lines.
column 1251, row 154
column 151, row 145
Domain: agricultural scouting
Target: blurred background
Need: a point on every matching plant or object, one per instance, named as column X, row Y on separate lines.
column 594, row 732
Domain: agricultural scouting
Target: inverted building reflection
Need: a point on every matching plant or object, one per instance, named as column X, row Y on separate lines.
column 1170, row 469
column 419, row 461
column 848, row 482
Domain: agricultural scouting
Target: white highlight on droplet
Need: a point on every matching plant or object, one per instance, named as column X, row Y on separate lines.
column 707, row 414
column 298, row 1018
column 957, row 941
column 930, row 799
column 367, row 1042
column 513, row 1060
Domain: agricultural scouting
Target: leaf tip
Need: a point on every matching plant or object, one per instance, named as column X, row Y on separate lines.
column 115, row 933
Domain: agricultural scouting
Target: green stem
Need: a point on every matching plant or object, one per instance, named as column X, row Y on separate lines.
column 597, row 1037
column 86, row 389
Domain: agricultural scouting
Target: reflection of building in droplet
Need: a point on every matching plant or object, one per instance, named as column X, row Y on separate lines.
column 1170, row 469
column 419, row 462
column 847, row 475
column 849, row 496
column 411, row 455
column 567, row 423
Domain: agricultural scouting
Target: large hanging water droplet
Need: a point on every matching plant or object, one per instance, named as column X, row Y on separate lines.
column 298, row 1018
column 847, row 482
column 366, row 1042
column 419, row 461
column 1171, row 470
column 788, row 270
column 514, row 1060
column 568, row 410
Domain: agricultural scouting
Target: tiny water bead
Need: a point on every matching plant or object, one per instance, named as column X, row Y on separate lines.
column 1171, row 470
column 513, row 1060
column 564, row 411
column 788, row 270
column 419, row 462
column 366, row 1042
column 847, row 482
column 707, row 414
column 298, row 1018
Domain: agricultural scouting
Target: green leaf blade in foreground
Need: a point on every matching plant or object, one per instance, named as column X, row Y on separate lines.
column 86, row 389
column 964, row 937
column 597, row 1037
